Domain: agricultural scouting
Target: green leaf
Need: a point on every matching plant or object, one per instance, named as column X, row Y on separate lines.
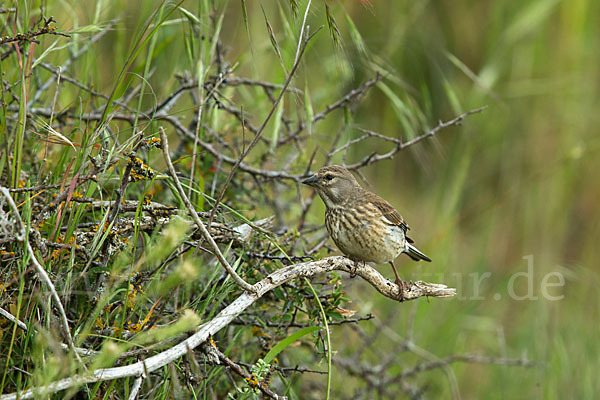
column 289, row 340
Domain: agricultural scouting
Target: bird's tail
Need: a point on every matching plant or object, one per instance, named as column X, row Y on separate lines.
column 416, row 254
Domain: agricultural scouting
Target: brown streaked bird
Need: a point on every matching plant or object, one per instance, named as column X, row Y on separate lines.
column 364, row 226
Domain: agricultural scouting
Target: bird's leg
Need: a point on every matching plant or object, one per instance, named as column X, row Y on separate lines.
column 399, row 281
column 401, row 284
column 353, row 273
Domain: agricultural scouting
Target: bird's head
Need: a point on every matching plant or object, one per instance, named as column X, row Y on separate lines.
column 334, row 184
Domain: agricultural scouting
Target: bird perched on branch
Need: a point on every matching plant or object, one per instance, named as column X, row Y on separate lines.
column 364, row 226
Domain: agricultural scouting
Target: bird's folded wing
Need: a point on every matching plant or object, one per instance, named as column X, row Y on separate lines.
column 390, row 213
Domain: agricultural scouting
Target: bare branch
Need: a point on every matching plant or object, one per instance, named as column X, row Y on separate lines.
column 13, row 319
column 372, row 158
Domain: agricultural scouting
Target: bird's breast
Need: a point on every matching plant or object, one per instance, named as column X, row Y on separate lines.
column 362, row 234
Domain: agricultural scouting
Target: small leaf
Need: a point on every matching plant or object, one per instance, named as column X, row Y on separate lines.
column 288, row 341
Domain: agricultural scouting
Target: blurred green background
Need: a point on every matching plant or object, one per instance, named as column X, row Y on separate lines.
column 517, row 180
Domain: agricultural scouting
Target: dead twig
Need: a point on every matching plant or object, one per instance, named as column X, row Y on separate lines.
column 370, row 159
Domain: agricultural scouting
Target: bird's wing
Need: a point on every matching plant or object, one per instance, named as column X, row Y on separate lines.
column 390, row 213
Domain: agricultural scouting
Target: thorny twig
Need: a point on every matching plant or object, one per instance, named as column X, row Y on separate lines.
column 370, row 159
column 30, row 36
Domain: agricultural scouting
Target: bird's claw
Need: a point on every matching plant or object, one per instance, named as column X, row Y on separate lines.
column 353, row 271
column 403, row 286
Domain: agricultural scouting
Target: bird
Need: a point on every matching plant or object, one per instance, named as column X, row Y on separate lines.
column 363, row 225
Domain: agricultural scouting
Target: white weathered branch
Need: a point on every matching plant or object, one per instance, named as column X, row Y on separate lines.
column 229, row 313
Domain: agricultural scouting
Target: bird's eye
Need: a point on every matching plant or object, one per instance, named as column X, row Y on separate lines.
column 329, row 177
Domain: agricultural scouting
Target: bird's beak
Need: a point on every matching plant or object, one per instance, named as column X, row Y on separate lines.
column 311, row 180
